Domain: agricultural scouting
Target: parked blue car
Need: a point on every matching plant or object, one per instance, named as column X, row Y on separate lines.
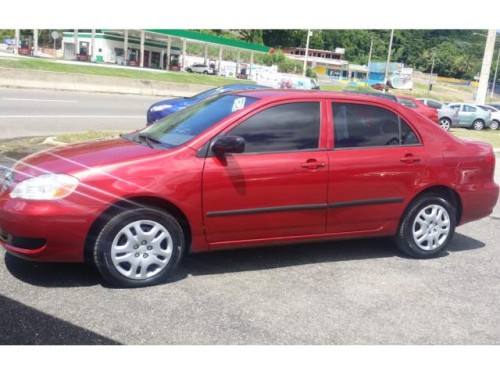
column 167, row 107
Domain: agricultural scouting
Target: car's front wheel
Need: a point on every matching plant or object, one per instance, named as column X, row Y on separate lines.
column 139, row 247
column 478, row 124
column 445, row 123
column 494, row 125
column 426, row 227
column 189, row 70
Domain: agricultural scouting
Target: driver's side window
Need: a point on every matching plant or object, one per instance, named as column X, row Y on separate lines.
column 285, row 127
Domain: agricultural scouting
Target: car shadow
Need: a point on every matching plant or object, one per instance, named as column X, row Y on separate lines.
column 238, row 260
column 52, row 275
column 24, row 325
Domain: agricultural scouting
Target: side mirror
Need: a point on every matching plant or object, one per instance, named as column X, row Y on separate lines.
column 233, row 144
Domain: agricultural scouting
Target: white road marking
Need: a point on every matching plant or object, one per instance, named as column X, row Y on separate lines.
column 68, row 116
column 41, row 100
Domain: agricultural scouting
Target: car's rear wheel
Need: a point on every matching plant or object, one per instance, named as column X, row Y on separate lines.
column 478, row 124
column 494, row 125
column 205, row 72
column 445, row 123
column 139, row 247
column 427, row 227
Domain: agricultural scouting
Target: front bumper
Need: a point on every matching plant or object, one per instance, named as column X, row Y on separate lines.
column 53, row 231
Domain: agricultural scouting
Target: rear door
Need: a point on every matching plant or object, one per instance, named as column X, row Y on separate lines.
column 376, row 162
column 278, row 186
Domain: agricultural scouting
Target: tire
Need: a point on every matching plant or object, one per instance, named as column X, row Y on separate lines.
column 189, row 70
column 445, row 123
column 205, row 72
column 478, row 124
column 494, row 125
column 427, row 227
column 129, row 252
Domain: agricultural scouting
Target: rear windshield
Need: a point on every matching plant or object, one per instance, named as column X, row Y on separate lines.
column 182, row 126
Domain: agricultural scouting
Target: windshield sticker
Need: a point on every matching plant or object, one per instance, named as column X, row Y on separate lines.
column 238, row 104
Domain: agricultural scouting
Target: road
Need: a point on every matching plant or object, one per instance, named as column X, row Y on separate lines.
column 39, row 112
column 346, row 292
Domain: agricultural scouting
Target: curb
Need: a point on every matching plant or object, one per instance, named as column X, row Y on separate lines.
column 37, row 79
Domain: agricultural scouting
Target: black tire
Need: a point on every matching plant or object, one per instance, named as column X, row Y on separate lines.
column 205, row 72
column 445, row 123
column 439, row 215
column 189, row 70
column 494, row 125
column 151, row 239
column 478, row 124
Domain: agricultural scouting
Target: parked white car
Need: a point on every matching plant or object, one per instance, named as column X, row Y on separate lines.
column 199, row 68
column 495, row 115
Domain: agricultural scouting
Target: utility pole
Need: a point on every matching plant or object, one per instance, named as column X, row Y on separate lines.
column 369, row 61
column 309, row 33
column 386, row 76
column 485, row 68
column 495, row 77
column 430, row 75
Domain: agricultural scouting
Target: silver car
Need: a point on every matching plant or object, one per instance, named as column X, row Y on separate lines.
column 448, row 117
column 495, row 115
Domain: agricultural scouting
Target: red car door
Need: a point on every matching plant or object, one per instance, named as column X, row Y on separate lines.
column 278, row 186
column 375, row 165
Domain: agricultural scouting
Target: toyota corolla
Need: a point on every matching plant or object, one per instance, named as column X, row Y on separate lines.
column 248, row 168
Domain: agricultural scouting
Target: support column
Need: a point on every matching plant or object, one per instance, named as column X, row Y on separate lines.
column 16, row 41
column 141, row 64
column 206, row 55
column 75, row 38
column 92, row 47
column 162, row 57
column 35, row 42
column 251, row 65
column 183, row 63
column 169, row 46
column 237, row 65
column 125, row 48
column 219, row 68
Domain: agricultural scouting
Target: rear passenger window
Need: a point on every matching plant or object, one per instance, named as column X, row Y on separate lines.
column 286, row 127
column 358, row 125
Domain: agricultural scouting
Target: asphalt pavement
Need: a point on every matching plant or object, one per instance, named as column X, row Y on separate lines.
column 26, row 113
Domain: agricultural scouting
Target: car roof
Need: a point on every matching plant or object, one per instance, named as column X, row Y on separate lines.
column 313, row 94
column 373, row 93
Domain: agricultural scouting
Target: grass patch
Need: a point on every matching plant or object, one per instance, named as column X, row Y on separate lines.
column 115, row 71
column 81, row 137
column 485, row 135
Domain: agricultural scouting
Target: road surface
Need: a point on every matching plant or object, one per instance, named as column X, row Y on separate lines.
column 40, row 112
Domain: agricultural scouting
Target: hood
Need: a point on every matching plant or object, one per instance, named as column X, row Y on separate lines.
column 74, row 159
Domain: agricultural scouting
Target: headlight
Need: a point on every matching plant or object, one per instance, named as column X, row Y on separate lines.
column 160, row 107
column 45, row 187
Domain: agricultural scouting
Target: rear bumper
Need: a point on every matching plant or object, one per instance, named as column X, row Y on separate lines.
column 478, row 202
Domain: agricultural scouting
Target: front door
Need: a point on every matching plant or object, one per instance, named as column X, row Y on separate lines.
column 277, row 188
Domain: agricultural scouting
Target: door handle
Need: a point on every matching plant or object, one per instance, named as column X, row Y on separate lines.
column 410, row 159
column 313, row 164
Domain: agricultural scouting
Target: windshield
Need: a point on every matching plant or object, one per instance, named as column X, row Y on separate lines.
column 182, row 126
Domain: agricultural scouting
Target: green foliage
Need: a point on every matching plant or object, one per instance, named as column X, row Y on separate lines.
column 311, row 73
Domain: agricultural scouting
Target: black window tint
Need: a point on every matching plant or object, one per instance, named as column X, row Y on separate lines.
column 358, row 125
column 286, row 127
column 407, row 103
column 433, row 104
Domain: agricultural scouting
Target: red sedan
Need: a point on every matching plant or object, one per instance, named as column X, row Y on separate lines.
column 429, row 112
column 251, row 168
